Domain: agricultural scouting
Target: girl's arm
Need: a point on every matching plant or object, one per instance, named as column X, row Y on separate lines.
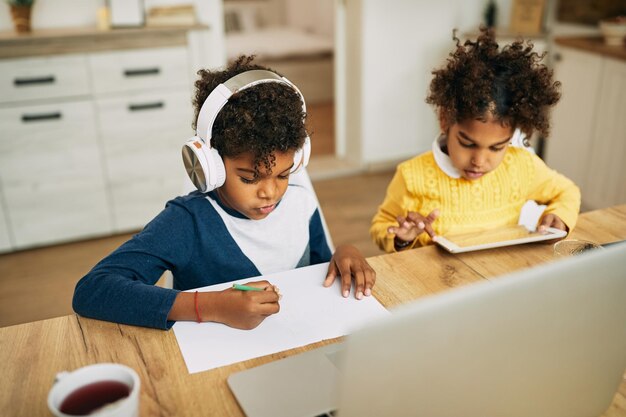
column 558, row 192
column 388, row 212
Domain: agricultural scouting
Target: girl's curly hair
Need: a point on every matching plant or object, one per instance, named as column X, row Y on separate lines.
column 510, row 83
column 263, row 119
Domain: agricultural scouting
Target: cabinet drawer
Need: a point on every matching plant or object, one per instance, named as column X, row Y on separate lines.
column 135, row 203
column 54, row 211
column 139, row 69
column 42, row 78
column 56, row 141
column 142, row 135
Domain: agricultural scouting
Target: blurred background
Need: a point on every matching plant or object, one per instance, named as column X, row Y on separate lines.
column 95, row 103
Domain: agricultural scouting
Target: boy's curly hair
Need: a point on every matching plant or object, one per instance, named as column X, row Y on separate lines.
column 510, row 83
column 262, row 119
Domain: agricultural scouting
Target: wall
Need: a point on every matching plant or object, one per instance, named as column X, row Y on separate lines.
column 314, row 16
column 389, row 50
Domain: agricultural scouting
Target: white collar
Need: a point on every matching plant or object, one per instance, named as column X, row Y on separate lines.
column 445, row 163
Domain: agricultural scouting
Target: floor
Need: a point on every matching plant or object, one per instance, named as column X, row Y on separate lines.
column 38, row 283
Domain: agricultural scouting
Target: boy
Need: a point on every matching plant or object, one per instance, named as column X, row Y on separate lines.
column 246, row 221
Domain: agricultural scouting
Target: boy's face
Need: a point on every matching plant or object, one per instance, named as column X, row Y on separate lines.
column 255, row 197
column 477, row 147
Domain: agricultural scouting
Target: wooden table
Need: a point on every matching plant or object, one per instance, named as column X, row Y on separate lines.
column 32, row 353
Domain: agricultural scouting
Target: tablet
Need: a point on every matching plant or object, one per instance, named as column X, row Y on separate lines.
column 495, row 238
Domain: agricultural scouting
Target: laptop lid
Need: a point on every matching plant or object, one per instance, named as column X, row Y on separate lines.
column 545, row 341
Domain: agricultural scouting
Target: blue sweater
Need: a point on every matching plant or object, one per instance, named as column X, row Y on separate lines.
column 202, row 243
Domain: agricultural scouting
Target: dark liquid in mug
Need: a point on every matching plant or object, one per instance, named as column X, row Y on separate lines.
column 88, row 398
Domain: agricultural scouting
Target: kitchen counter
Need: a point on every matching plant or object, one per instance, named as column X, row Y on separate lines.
column 594, row 44
column 81, row 40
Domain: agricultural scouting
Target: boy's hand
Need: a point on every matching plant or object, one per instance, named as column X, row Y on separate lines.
column 413, row 225
column 242, row 309
column 348, row 262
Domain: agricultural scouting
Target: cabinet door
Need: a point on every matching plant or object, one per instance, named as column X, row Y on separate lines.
column 47, row 212
column 5, row 241
column 51, row 174
column 49, row 142
column 142, row 136
column 137, row 201
column 40, row 78
column 570, row 141
column 605, row 183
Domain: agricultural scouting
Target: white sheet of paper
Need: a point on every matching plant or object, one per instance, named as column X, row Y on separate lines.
column 309, row 313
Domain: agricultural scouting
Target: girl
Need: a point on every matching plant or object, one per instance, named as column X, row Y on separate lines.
column 473, row 179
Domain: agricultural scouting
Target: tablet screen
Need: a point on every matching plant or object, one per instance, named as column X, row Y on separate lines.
column 504, row 236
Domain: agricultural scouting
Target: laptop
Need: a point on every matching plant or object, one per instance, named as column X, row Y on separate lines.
column 545, row 341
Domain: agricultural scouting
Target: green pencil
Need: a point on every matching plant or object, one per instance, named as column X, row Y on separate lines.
column 246, row 288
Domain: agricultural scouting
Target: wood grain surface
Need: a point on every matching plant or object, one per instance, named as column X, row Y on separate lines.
column 32, row 354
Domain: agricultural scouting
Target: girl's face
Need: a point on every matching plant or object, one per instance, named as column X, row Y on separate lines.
column 477, row 147
column 255, row 197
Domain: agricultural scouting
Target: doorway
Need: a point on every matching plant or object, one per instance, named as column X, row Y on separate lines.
column 296, row 39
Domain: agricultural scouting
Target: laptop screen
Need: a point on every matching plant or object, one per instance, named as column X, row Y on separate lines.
column 545, row 341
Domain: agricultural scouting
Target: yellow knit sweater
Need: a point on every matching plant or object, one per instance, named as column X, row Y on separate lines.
column 493, row 200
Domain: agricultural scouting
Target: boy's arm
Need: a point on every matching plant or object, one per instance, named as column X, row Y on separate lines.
column 558, row 192
column 388, row 212
column 318, row 245
column 120, row 288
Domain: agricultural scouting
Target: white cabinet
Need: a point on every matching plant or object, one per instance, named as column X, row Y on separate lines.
column 91, row 142
column 605, row 183
column 588, row 136
column 144, row 111
column 567, row 148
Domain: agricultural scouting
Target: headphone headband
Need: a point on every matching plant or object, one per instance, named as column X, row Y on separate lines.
column 222, row 93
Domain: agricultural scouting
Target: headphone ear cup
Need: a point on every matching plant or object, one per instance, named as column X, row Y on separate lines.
column 302, row 156
column 217, row 171
column 203, row 165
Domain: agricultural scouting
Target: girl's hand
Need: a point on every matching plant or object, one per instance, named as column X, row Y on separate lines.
column 413, row 225
column 551, row 220
column 241, row 309
column 348, row 262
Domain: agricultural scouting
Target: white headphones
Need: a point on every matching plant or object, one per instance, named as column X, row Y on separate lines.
column 203, row 163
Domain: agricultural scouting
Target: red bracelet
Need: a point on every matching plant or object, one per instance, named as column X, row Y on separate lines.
column 195, row 303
